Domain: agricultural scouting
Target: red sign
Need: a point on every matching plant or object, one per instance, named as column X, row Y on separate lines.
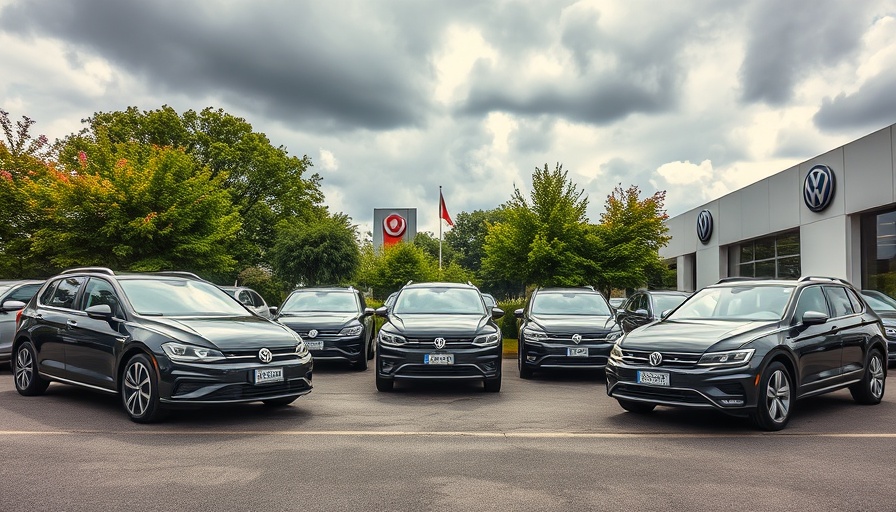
column 394, row 227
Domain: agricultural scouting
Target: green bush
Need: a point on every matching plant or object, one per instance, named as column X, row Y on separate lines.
column 508, row 323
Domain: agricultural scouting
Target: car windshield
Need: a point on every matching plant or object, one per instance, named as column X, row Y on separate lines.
column 458, row 301
column 667, row 302
column 179, row 297
column 745, row 302
column 320, row 301
column 4, row 289
column 570, row 303
column 878, row 305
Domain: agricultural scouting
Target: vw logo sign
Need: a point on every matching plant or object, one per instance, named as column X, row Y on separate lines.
column 394, row 225
column 704, row 226
column 439, row 342
column 265, row 355
column 656, row 359
column 577, row 338
column 312, row 333
column 818, row 188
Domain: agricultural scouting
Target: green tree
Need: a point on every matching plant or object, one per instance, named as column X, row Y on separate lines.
column 316, row 251
column 467, row 238
column 547, row 241
column 630, row 234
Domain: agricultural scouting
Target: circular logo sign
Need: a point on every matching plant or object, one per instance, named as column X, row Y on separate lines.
column 577, row 338
column 312, row 333
column 656, row 358
column 704, row 226
column 439, row 342
column 395, row 225
column 265, row 355
column 818, row 188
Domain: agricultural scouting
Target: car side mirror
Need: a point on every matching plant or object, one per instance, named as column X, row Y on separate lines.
column 518, row 313
column 664, row 314
column 814, row 318
column 383, row 312
column 12, row 305
column 641, row 312
column 497, row 313
column 369, row 311
column 100, row 311
column 273, row 310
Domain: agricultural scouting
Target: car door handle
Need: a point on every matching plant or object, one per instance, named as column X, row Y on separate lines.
column 71, row 323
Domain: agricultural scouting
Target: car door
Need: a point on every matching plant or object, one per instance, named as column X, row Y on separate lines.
column 94, row 340
column 849, row 328
column 50, row 332
column 817, row 347
column 635, row 312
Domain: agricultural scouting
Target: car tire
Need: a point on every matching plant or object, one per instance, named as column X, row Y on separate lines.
column 24, row 369
column 139, row 389
column 280, row 402
column 636, row 407
column 382, row 383
column 493, row 385
column 774, row 403
column 870, row 390
column 371, row 348
column 525, row 372
column 361, row 363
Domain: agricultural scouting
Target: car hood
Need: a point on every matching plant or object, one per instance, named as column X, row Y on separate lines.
column 317, row 320
column 427, row 325
column 696, row 336
column 572, row 324
column 225, row 333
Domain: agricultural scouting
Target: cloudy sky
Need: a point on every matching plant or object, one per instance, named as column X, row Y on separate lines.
column 391, row 99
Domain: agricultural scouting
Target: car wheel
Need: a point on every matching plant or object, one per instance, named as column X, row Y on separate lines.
column 24, row 368
column 371, row 348
column 140, row 390
column 493, row 385
column 636, row 407
column 775, row 400
column 525, row 372
column 361, row 363
column 870, row 390
column 279, row 402
column 382, row 383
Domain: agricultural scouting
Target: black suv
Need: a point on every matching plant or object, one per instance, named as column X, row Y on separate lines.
column 157, row 340
column 752, row 348
column 335, row 323
column 647, row 306
column 439, row 331
column 565, row 328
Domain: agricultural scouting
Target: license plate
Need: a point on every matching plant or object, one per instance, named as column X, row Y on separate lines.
column 653, row 378
column 315, row 345
column 438, row 359
column 577, row 351
column 268, row 375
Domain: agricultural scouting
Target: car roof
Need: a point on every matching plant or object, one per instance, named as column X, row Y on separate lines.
column 13, row 282
column 567, row 289
column 438, row 284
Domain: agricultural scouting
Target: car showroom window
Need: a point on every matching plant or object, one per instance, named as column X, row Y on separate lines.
column 839, row 301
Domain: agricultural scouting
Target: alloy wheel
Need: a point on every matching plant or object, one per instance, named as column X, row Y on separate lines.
column 137, row 389
column 876, row 384
column 777, row 395
column 24, row 368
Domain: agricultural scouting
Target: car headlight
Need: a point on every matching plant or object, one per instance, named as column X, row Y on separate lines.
column 301, row 348
column 533, row 334
column 890, row 332
column 387, row 338
column 614, row 335
column 729, row 358
column 487, row 340
column 351, row 331
column 616, row 352
column 191, row 353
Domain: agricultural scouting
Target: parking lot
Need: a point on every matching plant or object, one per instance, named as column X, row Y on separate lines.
column 553, row 443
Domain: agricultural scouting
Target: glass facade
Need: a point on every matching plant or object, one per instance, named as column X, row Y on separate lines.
column 775, row 256
column 879, row 251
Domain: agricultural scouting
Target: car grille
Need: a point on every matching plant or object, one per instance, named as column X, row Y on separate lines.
column 321, row 333
column 280, row 354
column 567, row 338
column 449, row 342
column 670, row 359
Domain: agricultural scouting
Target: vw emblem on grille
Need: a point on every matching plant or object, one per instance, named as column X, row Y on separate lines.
column 439, row 342
column 265, row 355
column 656, row 358
column 312, row 333
column 818, row 188
column 704, row 226
column 577, row 338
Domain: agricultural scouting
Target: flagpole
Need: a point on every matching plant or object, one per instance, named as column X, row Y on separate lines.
column 440, row 231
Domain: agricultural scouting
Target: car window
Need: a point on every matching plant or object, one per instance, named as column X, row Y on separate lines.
column 878, row 305
column 857, row 305
column 256, row 298
column 570, row 303
column 179, row 297
column 742, row 302
column 64, row 294
column 666, row 302
column 99, row 291
column 438, row 300
column 24, row 293
column 632, row 305
column 811, row 299
column 245, row 298
column 840, row 304
column 318, row 300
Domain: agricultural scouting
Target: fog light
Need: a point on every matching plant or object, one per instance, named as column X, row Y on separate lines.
column 530, row 358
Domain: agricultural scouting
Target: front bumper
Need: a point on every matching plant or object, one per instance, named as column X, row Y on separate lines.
column 230, row 382
column 891, row 351
column 731, row 390
column 539, row 355
column 409, row 363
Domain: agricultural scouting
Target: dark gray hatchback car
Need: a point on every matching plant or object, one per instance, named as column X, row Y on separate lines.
column 753, row 348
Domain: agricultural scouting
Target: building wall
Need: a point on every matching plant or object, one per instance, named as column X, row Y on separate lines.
column 830, row 244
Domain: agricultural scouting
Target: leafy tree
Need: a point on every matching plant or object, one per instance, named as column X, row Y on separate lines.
column 467, row 238
column 316, row 252
column 430, row 245
column 630, row 234
column 547, row 241
column 262, row 281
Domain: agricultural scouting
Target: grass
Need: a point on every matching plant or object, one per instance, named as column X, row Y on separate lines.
column 510, row 347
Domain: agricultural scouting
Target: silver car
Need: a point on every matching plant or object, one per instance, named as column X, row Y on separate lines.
column 13, row 297
column 252, row 300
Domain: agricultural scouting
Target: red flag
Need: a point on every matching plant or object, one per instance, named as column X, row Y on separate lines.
column 443, row 211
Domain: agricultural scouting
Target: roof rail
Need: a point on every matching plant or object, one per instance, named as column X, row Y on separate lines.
column 824, row 278
column 734, row 279
column 179, row 273
column 98, row 270
column 590, row 287
column 409, row 282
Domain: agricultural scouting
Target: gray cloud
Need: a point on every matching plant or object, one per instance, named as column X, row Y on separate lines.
column 872, row 106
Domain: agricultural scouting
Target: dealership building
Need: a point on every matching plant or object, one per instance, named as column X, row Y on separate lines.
column 832, row 215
